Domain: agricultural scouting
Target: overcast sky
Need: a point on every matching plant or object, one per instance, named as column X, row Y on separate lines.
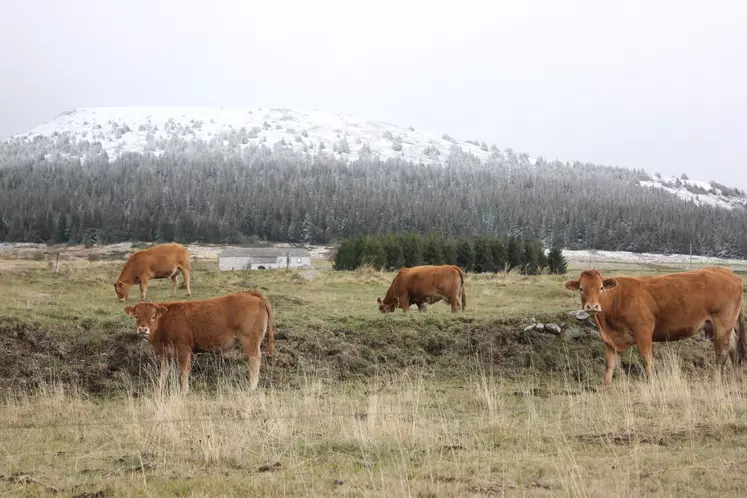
column 659, row 85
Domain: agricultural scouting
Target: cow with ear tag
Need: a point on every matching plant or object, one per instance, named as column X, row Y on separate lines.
column 639, row 311
column 177, row 329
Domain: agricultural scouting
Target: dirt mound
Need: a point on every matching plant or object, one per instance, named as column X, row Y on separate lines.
column 447, row 348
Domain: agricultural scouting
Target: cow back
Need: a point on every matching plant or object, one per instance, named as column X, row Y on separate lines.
column 675, row 301
column 211, row 324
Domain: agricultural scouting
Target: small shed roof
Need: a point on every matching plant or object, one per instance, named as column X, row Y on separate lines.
column 264, row 252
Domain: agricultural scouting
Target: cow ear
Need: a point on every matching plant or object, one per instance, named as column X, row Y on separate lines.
column 609, row 283
column 161, row 310
column 130, row 310
column 378, row 300
column 573, row 285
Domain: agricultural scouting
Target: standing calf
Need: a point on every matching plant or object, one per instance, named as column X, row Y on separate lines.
column 640, row 311
column 177, row 329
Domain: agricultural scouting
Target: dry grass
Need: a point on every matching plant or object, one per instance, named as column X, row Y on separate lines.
column 400, row 436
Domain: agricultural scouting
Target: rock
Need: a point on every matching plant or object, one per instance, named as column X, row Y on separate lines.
column 529, row 327
column 572, row 333
column 540, row 326
column 580, row 314
column 553, row 328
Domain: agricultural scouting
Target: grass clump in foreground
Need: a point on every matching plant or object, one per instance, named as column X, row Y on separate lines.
column 388, row 436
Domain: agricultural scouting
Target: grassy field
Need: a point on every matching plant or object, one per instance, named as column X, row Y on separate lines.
column 355, row 403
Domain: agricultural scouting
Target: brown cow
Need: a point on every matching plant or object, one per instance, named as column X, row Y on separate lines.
column 177, row 329
column 425, row 284
column 671, row 307
column 161, row 261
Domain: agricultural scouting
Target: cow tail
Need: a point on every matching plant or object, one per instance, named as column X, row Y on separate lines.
column 270, row 329
column 741, row 339
column 464, row 296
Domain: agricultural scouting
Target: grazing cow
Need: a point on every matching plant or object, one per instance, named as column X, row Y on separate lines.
column 178, row 329
column 425, row 284
column 161, row 261
column 671, row 307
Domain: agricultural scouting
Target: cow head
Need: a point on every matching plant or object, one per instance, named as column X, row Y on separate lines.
column 122, row 290
column 386, row 308
column 146, row 316
column 591, row 284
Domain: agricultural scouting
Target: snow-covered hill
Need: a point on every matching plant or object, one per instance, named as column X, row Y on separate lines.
column 161, row 129
column 712, row 193
column 112, row 131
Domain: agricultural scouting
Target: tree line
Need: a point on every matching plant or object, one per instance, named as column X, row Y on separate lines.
column 278, row 195
column 473, row 254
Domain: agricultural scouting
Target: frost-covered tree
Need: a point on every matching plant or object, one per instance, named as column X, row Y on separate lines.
column 343, row 147
column 280, row 194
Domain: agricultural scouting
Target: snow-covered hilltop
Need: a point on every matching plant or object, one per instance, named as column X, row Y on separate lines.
column 116, row 130
column 109, row 132
column 713, row 194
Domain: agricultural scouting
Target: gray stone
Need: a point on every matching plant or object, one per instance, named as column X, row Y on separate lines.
column 553, row 328
column 572, row 333
column 540, row 326
column 580, row 314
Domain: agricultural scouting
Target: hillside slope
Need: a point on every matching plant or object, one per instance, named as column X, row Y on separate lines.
column 109, row 132
column 167, row 129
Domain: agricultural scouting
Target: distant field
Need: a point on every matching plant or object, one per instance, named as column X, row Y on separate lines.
column 355, row 403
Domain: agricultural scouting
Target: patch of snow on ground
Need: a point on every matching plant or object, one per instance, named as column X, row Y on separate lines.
column 590, row 258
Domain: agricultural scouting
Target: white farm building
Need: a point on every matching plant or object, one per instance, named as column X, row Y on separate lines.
column 263, row 258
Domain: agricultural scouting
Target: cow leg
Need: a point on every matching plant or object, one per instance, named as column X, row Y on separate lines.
column 422, row 306
column 173, row 284
column 404, row 301
column 185, row 363
column 143, row 286
column 453, row 301
column 724, row 344
column 644, row 341
column 610, row 359
column 185, row 276
column 253, row 355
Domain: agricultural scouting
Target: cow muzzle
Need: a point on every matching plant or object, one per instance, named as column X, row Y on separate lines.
column 143, row 330
column 592, row 308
